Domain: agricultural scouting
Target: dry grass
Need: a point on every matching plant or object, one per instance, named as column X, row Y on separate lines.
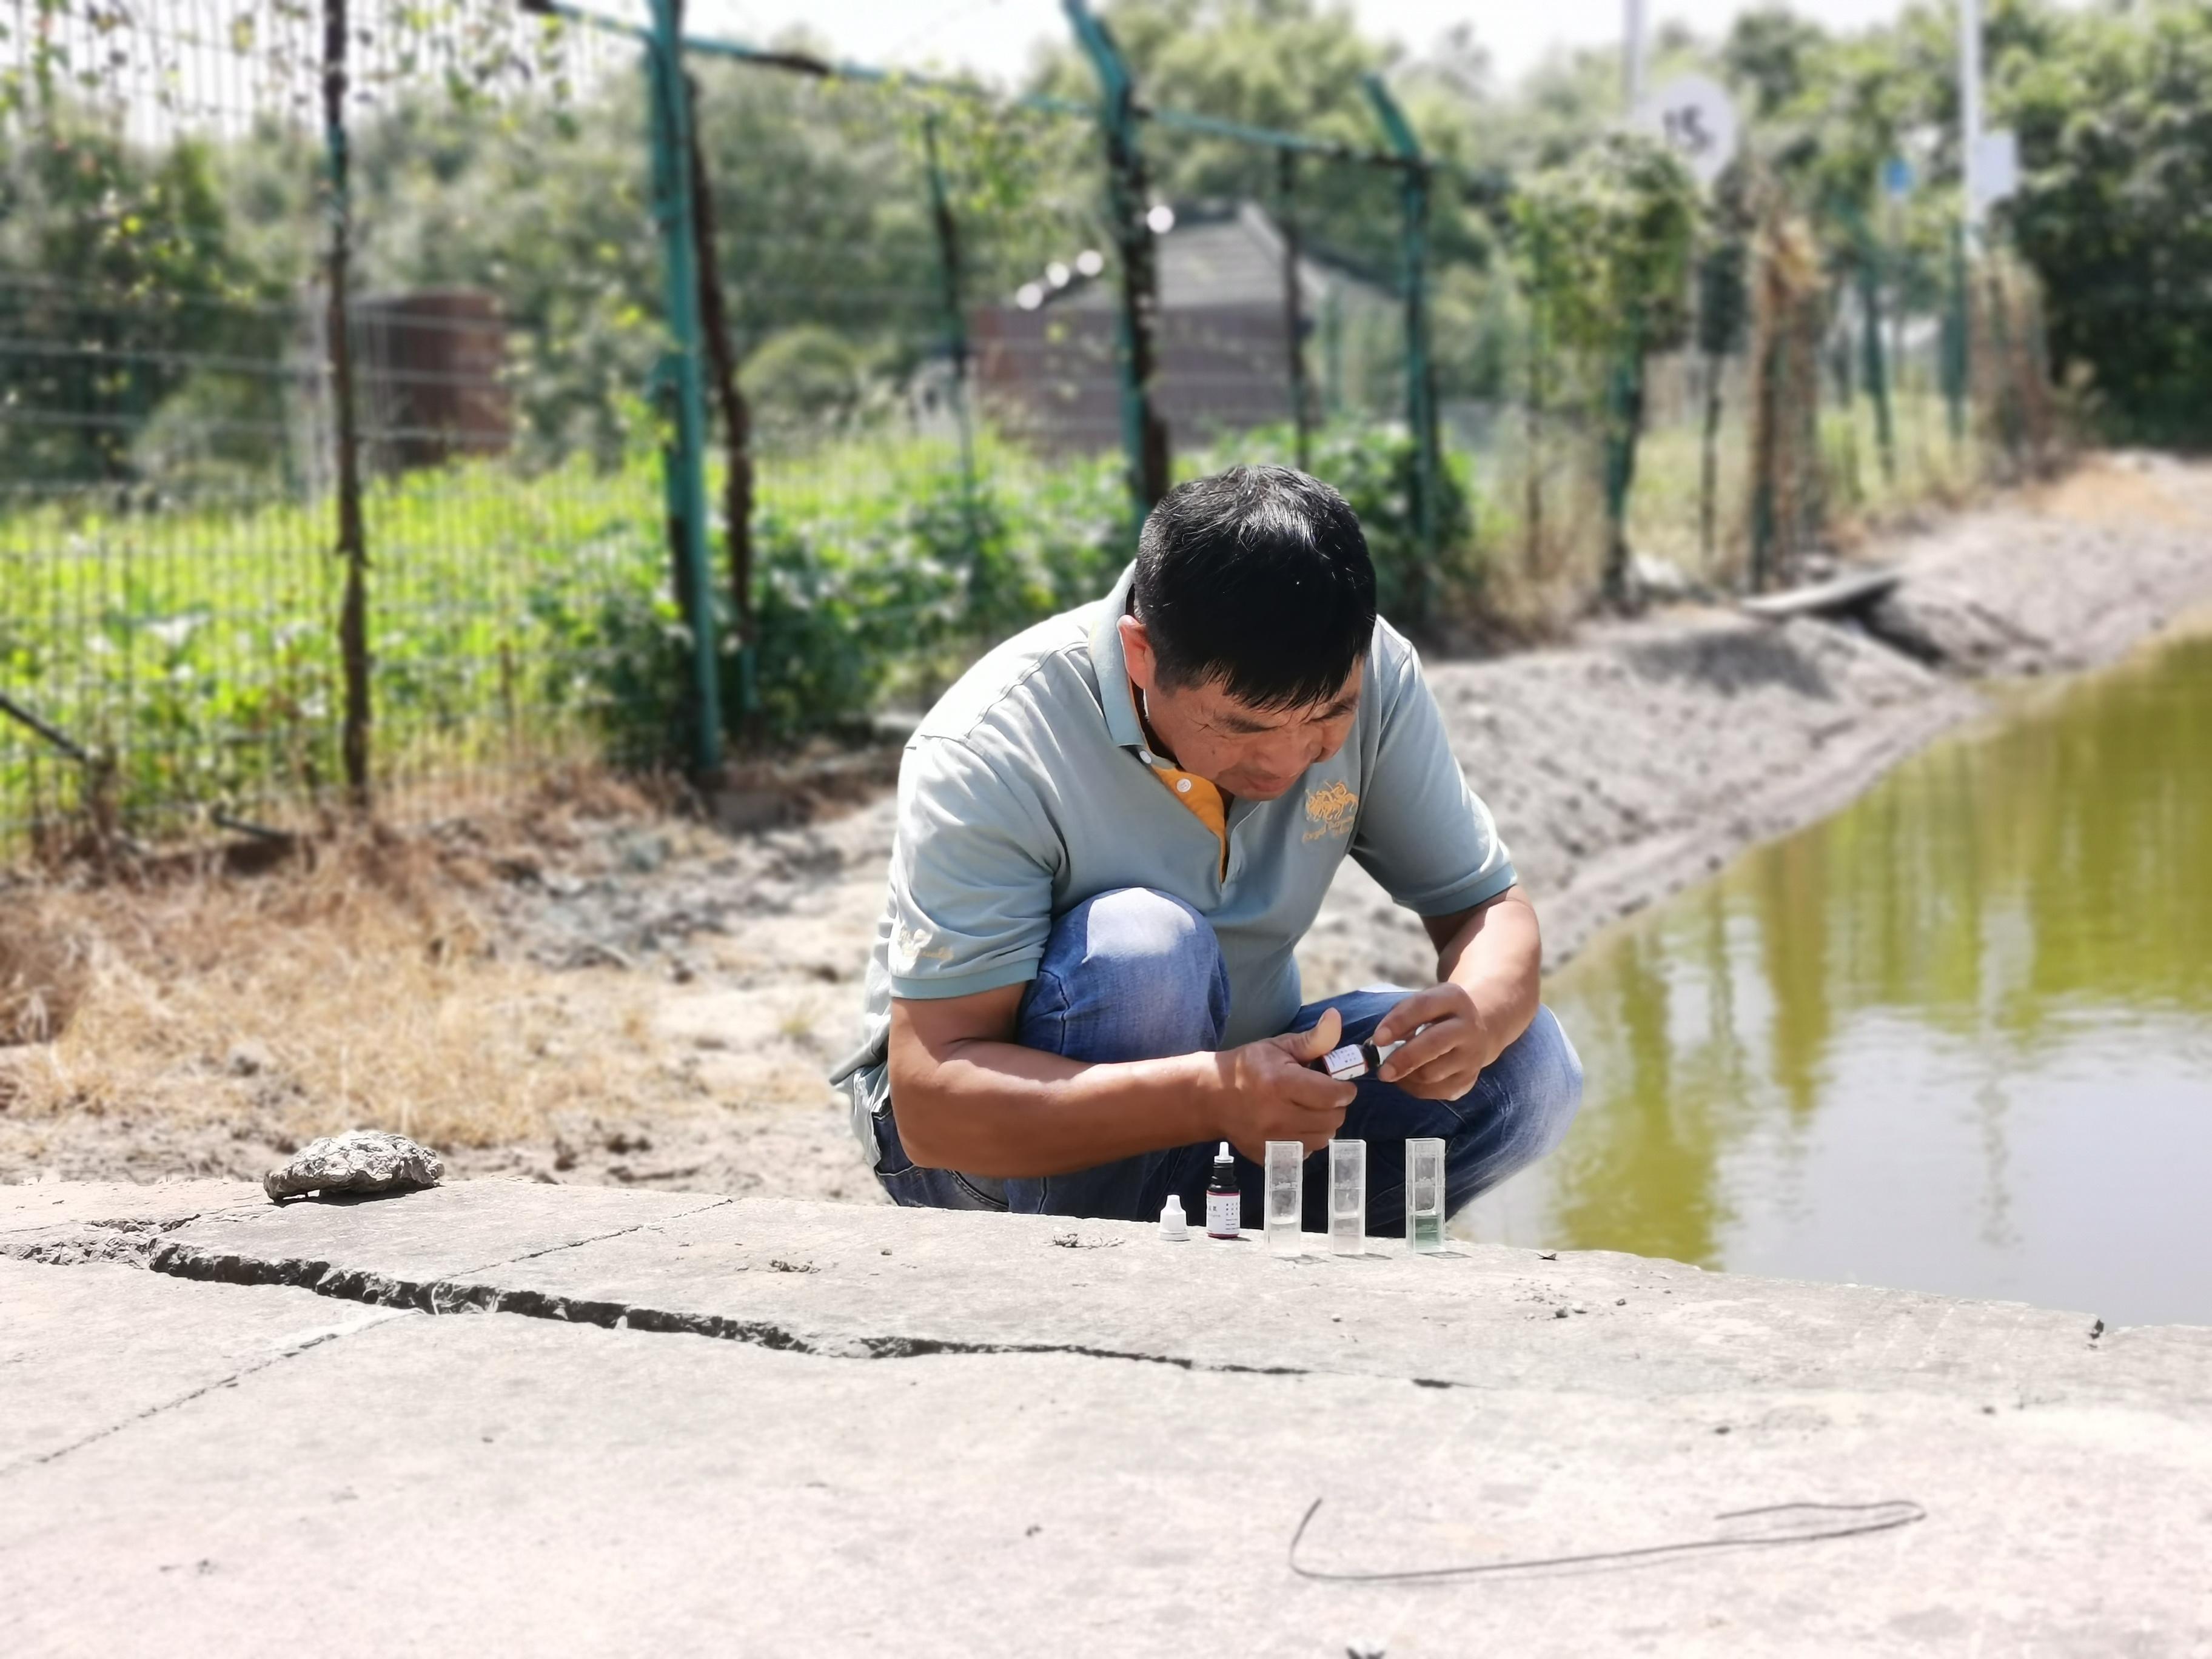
column 42, row 975
column 2118, row 490
column 355, row 986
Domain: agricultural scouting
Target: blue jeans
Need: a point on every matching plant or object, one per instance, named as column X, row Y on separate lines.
column 1136, row 974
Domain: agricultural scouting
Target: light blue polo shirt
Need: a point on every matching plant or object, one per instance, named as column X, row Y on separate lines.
column 1031, row 787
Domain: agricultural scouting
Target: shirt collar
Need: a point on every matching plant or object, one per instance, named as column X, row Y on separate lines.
column 1113, row 668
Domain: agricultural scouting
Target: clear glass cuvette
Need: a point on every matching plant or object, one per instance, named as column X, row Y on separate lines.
column 1348, row 1197
column 1286, row 1189
column 1424, row 1194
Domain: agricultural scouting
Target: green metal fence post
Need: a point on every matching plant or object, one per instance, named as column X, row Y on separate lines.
column 684, row 457
column 1143, row 435
column 352, row 538
column 956, row 327
column 1624, row 420
column 1875, row 360
column 1294, row 313
column 1771, row 309
column 1956, row 365
column 1420, row 373
column 2010, row 418
column 721, row 365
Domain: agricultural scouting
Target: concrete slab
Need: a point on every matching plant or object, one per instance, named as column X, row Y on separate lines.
column 512, row 1485
column 87, row 1351
column 834, row 1279
column 53, row 1207
column 422, row 1236
column 954, row 1447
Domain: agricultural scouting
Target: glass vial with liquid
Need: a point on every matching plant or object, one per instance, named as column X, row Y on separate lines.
column 1286, row 1196
column 1424, row 1194
column 1348, row 1197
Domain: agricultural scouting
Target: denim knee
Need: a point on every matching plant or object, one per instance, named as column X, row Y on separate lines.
column 1546, row 1084
column 1130, row 974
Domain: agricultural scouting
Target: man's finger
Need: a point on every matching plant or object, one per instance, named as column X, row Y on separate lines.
column 1316, row 1093
column 1411, row 1012
column 1439, row 1040
column 1313, row 1044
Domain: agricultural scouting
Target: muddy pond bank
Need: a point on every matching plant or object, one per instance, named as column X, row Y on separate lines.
column 1622, row 767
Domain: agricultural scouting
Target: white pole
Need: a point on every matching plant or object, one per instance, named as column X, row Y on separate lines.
column 1970, row 113
column 1631, row 53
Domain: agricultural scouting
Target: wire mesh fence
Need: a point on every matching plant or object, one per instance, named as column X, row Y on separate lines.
column 343, row 437
column 170, row 444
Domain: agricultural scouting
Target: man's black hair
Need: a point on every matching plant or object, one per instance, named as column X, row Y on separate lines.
column 1257, row 579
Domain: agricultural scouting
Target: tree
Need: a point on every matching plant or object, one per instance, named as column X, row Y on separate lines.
column 2116, row 150
column 1603, row 244
column 1296, row 66
column 1776, row 56
column 129, row 278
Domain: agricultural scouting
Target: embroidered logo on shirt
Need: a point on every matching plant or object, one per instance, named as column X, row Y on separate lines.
column 1333, row 810
column 909, row 948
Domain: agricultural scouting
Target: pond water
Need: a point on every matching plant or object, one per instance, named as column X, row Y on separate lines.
column 1956, row 1038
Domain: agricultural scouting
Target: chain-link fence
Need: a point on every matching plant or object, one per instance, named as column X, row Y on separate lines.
column 225, row 586
column 399, row 398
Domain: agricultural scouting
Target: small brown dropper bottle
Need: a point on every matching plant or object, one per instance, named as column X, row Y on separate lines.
column 1354, row 1060
column 1224, row 1203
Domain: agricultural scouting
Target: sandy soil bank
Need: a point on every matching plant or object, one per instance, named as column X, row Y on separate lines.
column 1626, row 765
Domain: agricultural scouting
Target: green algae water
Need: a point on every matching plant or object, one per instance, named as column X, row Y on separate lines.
column 1956, row 1038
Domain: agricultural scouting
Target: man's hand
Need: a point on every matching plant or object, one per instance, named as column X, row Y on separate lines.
column 1487, row 960
column 1264, row 1092
column 1448, row 1042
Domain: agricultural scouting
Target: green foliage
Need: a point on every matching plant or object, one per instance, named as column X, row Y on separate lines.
column 523, row 609
column 1724, row 266
column 121, row 270
column 1373, row 467
column 1773, row 54
column 866, row 594
column 517, row 617
column 2115, row 134
column 1603, row 244
column 194, row 646
column 887, row 593
column 2116, row 151
column 1294, row 65
column 806, row 377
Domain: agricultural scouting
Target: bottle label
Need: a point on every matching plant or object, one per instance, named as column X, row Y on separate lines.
column 1346, row 1063
column 1224, row 1212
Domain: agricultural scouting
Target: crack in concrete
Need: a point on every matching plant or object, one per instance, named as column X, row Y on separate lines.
column 142, row 1244
column 36, row 1459
column 132, row 1243
column 69, row 1244
column 596, row 1238
column 456, row 1295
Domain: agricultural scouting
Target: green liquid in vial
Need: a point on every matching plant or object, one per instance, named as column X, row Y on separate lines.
column 1429, row 1232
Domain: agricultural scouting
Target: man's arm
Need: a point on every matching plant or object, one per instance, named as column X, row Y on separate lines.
column 1488, row 960
column 968, row 1097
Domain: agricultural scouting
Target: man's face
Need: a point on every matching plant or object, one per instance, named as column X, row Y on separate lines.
column 1253, row 753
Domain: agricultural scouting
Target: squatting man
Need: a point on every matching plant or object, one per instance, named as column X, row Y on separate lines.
column 1114, row 831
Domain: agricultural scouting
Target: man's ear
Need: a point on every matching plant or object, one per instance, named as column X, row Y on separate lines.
column 1136, row 654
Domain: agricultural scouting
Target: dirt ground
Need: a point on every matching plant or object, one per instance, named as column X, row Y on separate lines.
column 583, row 989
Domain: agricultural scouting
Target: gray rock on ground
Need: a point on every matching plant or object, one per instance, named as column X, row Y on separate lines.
column 358, row 1161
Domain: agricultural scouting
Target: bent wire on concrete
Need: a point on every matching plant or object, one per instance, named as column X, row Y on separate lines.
column 1880, row 1516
